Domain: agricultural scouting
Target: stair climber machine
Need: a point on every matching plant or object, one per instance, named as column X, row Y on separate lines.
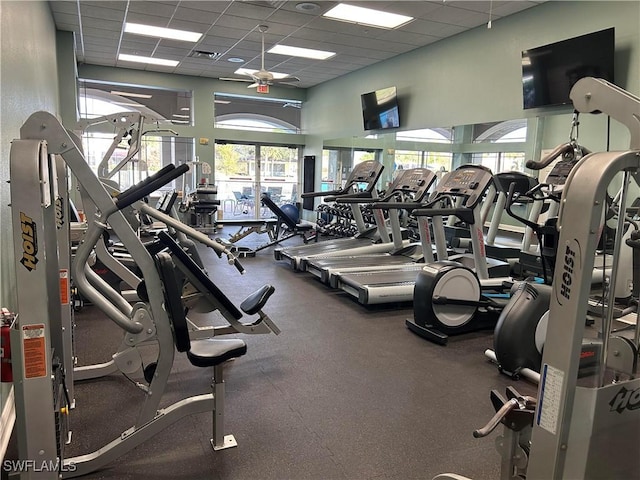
column 589, row 427
column 451, row 296
column 409, row 187
column 520, row 333
column 360, row 184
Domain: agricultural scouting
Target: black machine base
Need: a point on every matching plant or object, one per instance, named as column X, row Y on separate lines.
column 440, row 333
column 448, row 300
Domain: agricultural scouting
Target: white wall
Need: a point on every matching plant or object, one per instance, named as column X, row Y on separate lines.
column 29, row 82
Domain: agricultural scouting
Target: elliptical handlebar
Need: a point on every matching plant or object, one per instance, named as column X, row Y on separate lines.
column 512, row 197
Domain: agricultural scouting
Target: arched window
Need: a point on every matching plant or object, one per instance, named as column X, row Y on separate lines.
column 263, row 114
column 507, row 158
column 253, row 121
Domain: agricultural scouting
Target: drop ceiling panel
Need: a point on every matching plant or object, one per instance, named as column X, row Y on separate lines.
column 230, row 28
column 195, row 15
column 102, row 13
column 217, row 6
column 65, row 18
column 152, row 8
column 89, row 23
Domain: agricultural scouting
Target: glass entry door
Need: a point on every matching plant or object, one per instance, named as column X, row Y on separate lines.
column 244, row 171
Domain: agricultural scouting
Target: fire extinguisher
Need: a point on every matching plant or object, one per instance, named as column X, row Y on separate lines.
column 6, row 319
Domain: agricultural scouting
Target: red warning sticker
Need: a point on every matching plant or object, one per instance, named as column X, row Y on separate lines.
column 34, row 351
column 64, row 287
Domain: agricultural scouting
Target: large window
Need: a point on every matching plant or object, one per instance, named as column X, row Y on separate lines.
column 421, row 155
column 158, row 105
column 245, row 171
column 155, row 153
column 159, row 144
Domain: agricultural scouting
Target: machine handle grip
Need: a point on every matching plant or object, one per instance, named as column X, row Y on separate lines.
column 547, row 159
column 517, row 403
column 233, row 260
column 496, row 419
column 145, row 187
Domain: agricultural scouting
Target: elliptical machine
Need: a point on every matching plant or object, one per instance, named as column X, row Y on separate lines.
column 448, row 296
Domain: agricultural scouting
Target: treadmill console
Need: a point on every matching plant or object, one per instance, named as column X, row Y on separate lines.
column 468, row 181
column 366, row 172
column 415, row 181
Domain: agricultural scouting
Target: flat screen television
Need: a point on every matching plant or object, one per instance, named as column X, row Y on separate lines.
column 549, row 71
column 380, row 109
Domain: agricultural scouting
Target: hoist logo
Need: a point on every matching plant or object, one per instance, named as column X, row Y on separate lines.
column 29, row 242
column 59, row 213
column 567, row 272
column 625, row 400
column 571, row 269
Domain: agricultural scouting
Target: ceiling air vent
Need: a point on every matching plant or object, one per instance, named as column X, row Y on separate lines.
column 267, row 3
column 205, row 55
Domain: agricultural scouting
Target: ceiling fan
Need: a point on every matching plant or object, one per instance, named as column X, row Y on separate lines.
column 263, row 77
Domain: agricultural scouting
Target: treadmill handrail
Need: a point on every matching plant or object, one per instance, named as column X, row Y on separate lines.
column 355, row 178
column 463, row 213
column 360, row 197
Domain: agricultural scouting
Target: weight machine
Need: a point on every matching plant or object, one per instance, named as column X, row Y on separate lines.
column 583, row 428
column 40, row 351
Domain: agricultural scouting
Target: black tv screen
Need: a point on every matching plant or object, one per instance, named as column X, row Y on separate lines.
column 380, row 109
column 549, row 72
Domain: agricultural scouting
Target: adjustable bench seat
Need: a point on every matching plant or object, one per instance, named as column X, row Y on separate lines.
column 210, row 352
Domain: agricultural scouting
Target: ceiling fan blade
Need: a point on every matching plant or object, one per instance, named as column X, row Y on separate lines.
column 232, row 79
column 253, row 85
column 288, row 79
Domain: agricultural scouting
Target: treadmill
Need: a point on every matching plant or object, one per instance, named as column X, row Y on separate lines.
column 365, row 173
column 469, row 182
column 409, row 188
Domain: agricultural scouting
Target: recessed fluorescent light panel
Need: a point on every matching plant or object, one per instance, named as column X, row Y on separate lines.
column 366, row 16
column 248, row 71
column 301, row 52
column 170, row 33
column 150, row 60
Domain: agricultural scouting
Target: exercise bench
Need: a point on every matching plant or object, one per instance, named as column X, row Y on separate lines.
column 280, row 228
column 210, row 352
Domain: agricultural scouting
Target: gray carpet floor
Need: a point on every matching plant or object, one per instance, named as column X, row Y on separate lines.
column 345, row 392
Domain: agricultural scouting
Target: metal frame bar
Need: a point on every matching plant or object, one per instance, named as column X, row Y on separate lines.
column 556, row 451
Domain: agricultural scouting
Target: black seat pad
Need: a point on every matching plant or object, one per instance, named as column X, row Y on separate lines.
column 210, row 352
